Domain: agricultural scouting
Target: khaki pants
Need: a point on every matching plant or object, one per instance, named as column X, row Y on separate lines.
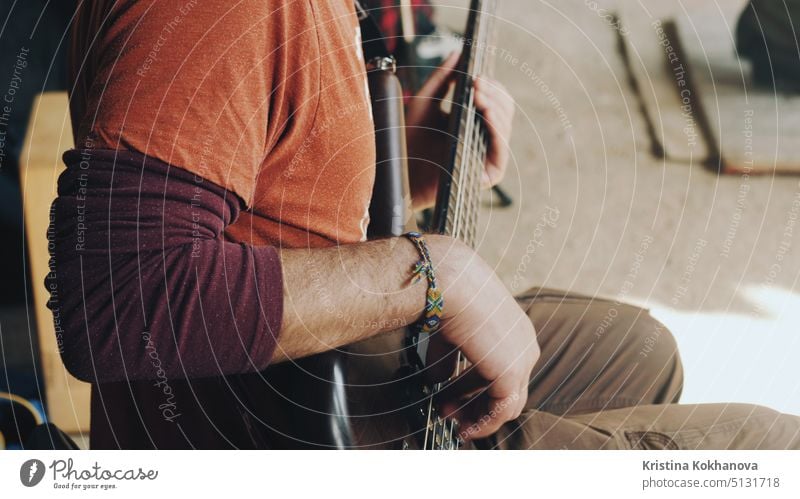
column 609, row 377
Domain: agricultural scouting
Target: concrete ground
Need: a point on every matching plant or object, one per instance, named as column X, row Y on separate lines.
column 714, row 257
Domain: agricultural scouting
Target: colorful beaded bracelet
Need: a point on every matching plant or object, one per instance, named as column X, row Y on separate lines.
column 434, row 302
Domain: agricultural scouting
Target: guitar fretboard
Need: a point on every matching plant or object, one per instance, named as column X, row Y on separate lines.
column 457, row 204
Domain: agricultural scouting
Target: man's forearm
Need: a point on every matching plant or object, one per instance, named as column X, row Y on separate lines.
column 337, row 296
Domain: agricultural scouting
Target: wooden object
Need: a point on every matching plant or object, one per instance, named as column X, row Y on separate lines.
column 49, row 135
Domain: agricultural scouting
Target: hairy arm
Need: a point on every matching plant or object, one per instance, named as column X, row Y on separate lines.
column 337, row 296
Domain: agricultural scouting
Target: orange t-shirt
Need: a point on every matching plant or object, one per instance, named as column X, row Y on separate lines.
column 267, row 98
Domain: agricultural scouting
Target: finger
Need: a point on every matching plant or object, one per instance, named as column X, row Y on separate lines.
column 498, row 119
column 466, row 386
column 497, row 154
column 497, row 93
column 523, row 401
column 491, row 102
column 438, row 83
column 520, row 399
column 493, row 173
column 497, row 110
column 498, row 124
column 483, row 413
column 491, row 176
column 494, row 413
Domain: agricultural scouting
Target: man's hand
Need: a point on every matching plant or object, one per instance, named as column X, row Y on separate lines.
column 486, row 324
column 336, row 296
column 426, row 131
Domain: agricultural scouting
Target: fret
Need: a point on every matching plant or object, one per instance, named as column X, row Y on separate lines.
column 464, row 184
column 476, row 172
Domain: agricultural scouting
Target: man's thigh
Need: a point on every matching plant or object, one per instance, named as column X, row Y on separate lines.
column 668, row 426
column 598, row 354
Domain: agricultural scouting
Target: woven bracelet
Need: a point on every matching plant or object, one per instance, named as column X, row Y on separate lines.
column 434, row 302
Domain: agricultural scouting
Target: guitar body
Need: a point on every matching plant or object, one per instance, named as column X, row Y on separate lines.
column 371, row 394
column 354, row 398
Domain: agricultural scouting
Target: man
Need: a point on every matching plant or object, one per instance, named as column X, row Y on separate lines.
column 223, row 170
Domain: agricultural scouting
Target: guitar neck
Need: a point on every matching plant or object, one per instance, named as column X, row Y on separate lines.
column 456, row 210
column 457, row 203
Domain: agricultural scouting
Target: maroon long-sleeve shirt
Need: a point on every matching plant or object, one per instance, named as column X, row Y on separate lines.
column 155, row 307
column 145, row 281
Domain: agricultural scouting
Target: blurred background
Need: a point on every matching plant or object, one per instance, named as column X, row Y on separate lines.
column 722, row 269
column 656, row 160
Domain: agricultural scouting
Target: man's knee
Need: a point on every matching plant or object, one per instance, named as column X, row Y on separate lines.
column 627, row 329
column 651, row 347
column 621, row 338
column 652, row 341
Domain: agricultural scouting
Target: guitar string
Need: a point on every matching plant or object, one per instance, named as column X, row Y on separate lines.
column 467, row 190
column 474, row 159
column 464, row 230
column 465, row 203
column 471, row 216
column 455, row 202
